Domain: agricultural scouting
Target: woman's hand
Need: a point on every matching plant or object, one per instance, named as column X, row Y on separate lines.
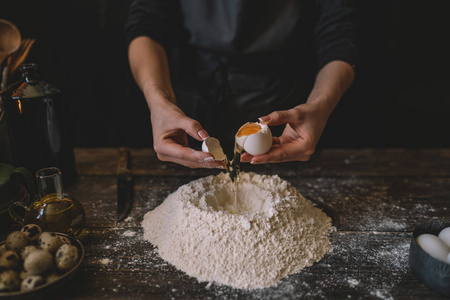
column 305, row 122
column 304, row 126
column 170, row 128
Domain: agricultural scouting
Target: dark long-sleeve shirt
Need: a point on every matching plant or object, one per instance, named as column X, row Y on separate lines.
column 235, row 60
column 252, row 28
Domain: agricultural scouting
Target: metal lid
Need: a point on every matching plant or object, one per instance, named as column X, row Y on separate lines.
column 31, row 86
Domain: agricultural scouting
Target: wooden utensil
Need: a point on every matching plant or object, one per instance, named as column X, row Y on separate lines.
column 15, row 60
column 9, row 39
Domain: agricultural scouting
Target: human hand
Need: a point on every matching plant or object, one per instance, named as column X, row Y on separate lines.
column 170, row 127
column 304, row 125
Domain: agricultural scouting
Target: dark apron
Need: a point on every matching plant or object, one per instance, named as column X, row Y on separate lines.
column 224, row 84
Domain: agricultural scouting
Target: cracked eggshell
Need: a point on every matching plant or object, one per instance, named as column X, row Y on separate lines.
column 212, row 145
column 254, row 140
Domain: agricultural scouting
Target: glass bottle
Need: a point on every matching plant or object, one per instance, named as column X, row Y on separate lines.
column 38, row 125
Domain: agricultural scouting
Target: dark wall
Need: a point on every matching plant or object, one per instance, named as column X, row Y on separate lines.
column 401, row 96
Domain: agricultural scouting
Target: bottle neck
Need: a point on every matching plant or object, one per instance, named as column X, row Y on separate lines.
column 29, row 72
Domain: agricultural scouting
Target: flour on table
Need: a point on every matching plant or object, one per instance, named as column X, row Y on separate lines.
column 274, row 232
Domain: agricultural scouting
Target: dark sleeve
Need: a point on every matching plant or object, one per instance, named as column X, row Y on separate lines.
column 152, row 18
column 337, row 32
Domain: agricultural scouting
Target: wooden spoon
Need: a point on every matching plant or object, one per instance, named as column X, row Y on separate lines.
column 9, row 39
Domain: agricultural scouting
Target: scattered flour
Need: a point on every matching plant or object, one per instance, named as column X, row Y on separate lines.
column 129, row 233
column 275, row 231
column 353, row 282
column 105, row 261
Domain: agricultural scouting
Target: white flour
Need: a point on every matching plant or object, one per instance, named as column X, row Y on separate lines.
column 275, row 232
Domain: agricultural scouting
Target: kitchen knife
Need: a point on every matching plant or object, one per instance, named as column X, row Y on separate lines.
column 124, row 184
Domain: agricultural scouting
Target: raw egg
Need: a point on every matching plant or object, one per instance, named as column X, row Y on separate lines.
column 444, row 235
column 433, row 246
column 254, row 138
column 212, row 145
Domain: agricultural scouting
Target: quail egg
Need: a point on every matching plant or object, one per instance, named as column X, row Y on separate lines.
column 66, row 257
column 31, row 282
column 9, row 260
column 9, row 280
column 16, row 241
column 52, row 277
column 212, row 145
column 50, row 241
column 254, row 138
column 27, row 250
column 38, row 262
column 31, row 231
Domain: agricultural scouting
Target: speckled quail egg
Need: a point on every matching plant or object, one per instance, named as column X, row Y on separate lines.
column 444, row 235
column 38, row 262
column 16, row 241
column 9, row 260
column 50, row 241
column 9, row 280
column 66, row 257
column 65, row 240
column 52, row 277
column 433, row 246
column 31, row 231
column 27, row 250
column 31, row 282
column 254, row 138
column 212, row 145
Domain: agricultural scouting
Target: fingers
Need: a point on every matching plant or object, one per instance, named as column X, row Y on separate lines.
column 186, row 156
column 193, row 128
column 280, row 117
column 298, row 150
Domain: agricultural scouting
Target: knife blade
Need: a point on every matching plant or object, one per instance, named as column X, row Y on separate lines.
column 124, row 184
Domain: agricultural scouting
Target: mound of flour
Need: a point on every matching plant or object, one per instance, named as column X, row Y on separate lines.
column 274, row 232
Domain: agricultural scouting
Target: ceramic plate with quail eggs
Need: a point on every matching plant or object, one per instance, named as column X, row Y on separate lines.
column 32, row 260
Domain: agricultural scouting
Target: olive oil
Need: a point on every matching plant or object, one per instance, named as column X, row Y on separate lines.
column 56, row 213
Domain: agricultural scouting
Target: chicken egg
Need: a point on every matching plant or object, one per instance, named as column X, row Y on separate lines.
column 254, row 138
column 212, row 145
column 433, row 246
column 444, row 235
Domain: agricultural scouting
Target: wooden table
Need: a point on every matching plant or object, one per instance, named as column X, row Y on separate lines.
column 374, row 197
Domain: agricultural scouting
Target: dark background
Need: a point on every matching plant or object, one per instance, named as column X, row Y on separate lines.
column 401, row 97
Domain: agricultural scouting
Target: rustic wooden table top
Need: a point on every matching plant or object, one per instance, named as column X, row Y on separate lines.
column 375, row 198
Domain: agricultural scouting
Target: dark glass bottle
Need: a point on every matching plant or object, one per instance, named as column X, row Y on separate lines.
column 38, row 125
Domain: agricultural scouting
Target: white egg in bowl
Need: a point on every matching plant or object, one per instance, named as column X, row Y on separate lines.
column 254, row 138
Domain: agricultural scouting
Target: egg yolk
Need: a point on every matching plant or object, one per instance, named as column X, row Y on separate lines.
column 248, row 129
